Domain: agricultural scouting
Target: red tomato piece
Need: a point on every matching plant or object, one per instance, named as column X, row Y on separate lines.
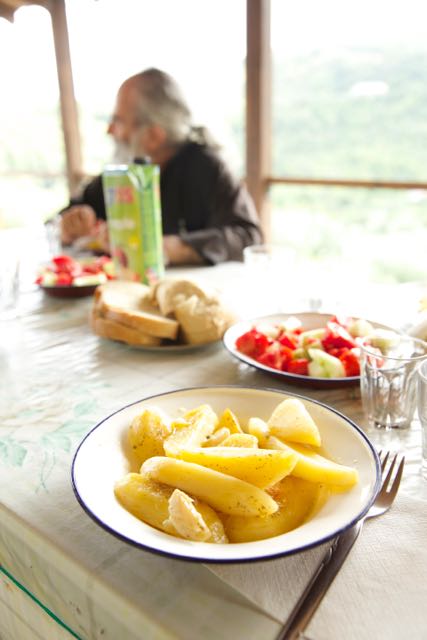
column 63, row 260
column 286, row 357
column 337, row 337
column 64, row 279
column 299, row 366
column 66, row 264
column 288, row 340
column 337, row 353
column 252, row 343
column 270, row 359
column 91, row 268
column 350, row 360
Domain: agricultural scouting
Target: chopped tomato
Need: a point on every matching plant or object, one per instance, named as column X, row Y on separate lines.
column 276, row 356
column 286, row 357
column 64, row 279
column 63, row 261
column 350, row 361
column 337, row 352
column 298, row 366
column 270, row 359
column 253, row 343
column 337, row 337
column 288, row 340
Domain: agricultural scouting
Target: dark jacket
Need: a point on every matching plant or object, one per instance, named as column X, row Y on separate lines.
column 201, row 202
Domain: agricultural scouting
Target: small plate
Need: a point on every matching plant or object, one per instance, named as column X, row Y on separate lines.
column 69, row 291
column 101, row 460
column 310, row 320
column 179, row 348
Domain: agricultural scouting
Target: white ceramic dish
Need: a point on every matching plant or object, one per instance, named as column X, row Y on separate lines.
column 101, row 460
column 309, row 320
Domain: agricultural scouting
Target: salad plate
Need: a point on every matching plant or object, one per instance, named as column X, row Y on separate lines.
column 102, row 459
column 175, row 347
column 69, row 291
column 308, row 321
column 67, row 277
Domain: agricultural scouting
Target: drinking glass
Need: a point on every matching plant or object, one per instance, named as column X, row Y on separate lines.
column 422, row 414
column 53, row 236
column 388, row 379
column 10, row 264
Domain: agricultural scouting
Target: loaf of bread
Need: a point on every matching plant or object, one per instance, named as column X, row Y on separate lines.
column 178, row 310
column 169, row 293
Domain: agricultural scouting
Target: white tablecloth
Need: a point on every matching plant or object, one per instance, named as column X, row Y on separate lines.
column 57, row 381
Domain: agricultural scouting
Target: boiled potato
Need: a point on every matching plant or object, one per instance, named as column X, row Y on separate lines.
column 194, row 520
column 260, row 429
column 147, row 433
column 222, row 492
column 260, row 467
column 229, row 420
column 145, row 499
column 291, row 421
column 240, row 440
column 216, row 438
column 213, row 521
column 149, row 501
column 185, row 518
column 201, row 422
column 296, row 499
column 314, row 467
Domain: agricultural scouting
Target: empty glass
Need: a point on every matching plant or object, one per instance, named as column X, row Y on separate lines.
column 388, row 378
column 9, row 268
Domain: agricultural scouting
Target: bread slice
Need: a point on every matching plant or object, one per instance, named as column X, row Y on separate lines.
column 129, row 304
column 112, row 330
column 202, row 321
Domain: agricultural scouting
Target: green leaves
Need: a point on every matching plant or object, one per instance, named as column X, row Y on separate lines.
column 12, row 452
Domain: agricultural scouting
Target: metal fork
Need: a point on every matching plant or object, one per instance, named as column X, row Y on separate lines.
column 336, row 555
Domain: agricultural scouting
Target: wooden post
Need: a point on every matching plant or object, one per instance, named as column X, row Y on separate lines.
column 70, row 122
column 258, row 105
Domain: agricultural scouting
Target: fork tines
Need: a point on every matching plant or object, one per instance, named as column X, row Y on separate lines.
column 384, row 457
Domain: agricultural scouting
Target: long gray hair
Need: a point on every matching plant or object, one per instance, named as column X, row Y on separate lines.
column 162, row 102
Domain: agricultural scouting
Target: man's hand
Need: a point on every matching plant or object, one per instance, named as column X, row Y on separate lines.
column 77, row 221
column 177, row 252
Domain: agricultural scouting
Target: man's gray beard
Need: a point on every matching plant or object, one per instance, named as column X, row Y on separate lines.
column 122, row 153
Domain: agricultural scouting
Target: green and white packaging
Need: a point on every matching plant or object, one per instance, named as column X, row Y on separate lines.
column 132, row 201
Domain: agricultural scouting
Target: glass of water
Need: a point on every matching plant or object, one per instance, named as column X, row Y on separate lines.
column 388, row 379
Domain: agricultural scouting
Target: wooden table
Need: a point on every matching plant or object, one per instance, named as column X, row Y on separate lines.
column 62, row 574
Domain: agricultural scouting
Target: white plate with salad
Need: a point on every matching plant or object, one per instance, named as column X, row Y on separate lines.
column 309, row 348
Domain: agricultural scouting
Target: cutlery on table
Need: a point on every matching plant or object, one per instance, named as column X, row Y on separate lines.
column 336, row 555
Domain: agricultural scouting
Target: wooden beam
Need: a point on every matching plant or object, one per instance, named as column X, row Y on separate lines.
column 70, row 122
column 258, row 104
column 337, row 182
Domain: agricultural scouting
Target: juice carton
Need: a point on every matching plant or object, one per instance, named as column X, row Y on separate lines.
column 132, row 200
